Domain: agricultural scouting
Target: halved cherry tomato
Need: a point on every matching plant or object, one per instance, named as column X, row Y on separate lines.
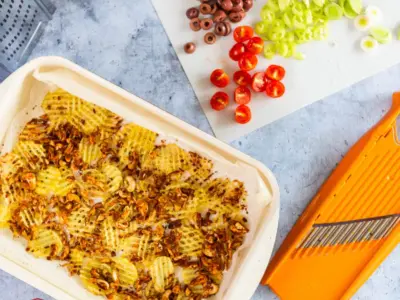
column 219, row 78
column 243, row 33
column 248, row 62
column 255, row 45
column 274, row 89
column 242, row 114
column 258, row 82
column 242, row 78
column 242, row 95
column 237, row 51
column 219, row 101
column 275, row 72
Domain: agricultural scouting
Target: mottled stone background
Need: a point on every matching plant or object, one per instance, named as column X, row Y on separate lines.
column 124, row 42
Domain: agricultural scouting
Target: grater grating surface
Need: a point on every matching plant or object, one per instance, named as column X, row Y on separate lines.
column 350, row 226
column 21, row 24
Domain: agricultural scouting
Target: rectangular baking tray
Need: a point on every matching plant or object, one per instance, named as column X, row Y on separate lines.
column 254, row 259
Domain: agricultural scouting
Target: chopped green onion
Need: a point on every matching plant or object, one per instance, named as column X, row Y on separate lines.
column 319, row 3
column 356, row 5
column 261, row 28
column 273, row 5
column 276, row 33
column 290, row 37
column 341, row 3
column 287, row 19
column 308, row 17
column 298, row 8
column 267, row 15
column 283, row 4
column 299, row 56
column 269, row 50
column 320, row 33
column 333, row 11
column 298, row 22
column 348, row 11
column 381, row 34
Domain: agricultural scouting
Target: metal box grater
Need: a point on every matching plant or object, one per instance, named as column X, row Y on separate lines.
column 21, row 24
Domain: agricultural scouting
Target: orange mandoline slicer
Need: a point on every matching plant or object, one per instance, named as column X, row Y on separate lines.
column 350, row 226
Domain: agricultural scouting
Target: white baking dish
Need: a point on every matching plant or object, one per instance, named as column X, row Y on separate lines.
column 54, row 280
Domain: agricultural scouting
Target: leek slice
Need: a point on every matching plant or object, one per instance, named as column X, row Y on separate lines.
column 381, row 34
column 333, row 11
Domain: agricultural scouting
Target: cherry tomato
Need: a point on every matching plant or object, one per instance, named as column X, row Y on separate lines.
column 242, row 114
column 219, row 78
column 275, row 72
column 243, row 33
column 242, row 95
column 255, row 45
column 242, row 78
column 258, row 82
column 219, row 101
column 248, row 62
column 237, row 51
column 274, row 89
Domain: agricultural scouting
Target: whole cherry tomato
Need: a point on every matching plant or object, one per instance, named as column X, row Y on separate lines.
column 274, row 89
column 241, row 78
column 219, row 101
column 255, row 45
column 237, row 51
column 243, row 33
column 219, row 78
column 242, row 114
column 242, row 95
column 248, row 62
column 275, row 72
column 258, row 82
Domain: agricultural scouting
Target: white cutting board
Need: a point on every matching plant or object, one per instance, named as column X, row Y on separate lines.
column 329, row 67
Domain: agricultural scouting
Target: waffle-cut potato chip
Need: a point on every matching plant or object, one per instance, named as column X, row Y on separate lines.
column 200, row 168
column 31, row 216
column 10, row 164
column 110, row 234
column 188, row 274
column 93, row 184
column 90, row 283
column 35, row 130
column 150, row 290
column 4, row 212
column 139, row 245
column 62, row 107
column 132, row 137
column 31, row 154
column 110, row 127
column 167, row 159
column 79, row 224
column 160, row 272
column 45, row 243
column 77, row 257
column 54, row 181
column 127, row 273
column 90, row 153
column 191, row 242
column 13, row 192
column 113, row 176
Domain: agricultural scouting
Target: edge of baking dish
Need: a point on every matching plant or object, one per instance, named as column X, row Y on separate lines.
column 259, row 253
